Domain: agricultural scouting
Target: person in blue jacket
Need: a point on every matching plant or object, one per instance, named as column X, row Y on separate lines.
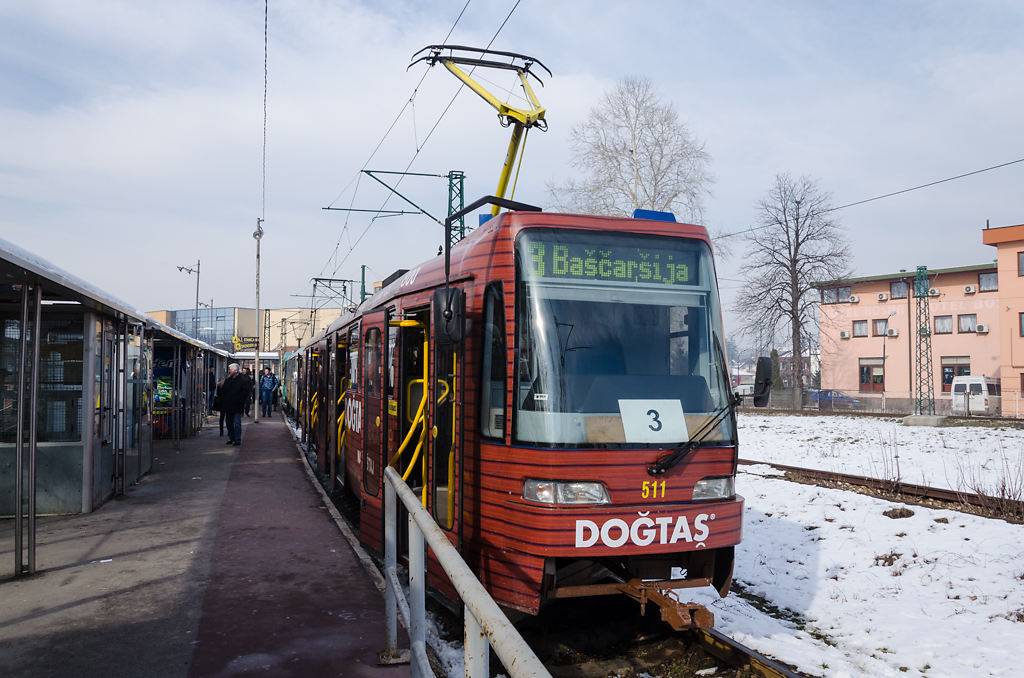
column 268, row 384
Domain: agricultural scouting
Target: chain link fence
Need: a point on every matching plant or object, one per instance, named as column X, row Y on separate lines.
column 896, row 403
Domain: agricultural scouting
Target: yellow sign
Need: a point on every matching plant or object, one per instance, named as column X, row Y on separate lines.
column 245, row 343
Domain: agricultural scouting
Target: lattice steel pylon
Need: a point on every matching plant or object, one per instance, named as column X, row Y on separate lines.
column 456, row 201
column 924, row 385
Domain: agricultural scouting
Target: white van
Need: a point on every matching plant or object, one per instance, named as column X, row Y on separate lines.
column 976, row 396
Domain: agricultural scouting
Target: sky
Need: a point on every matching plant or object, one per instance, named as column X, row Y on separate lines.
column 826, row 582
column 131, row 134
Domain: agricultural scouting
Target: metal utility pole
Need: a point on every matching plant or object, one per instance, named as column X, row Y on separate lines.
column 884, row 375
column 257, row 235
column 924, row 388
column 362, row 290
column 195, row 318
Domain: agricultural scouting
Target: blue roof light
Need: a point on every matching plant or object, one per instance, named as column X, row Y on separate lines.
column 653, row 215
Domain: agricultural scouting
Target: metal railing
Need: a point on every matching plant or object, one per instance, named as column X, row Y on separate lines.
column 486, row 625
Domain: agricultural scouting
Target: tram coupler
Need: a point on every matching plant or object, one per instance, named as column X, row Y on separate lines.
column 680, row 616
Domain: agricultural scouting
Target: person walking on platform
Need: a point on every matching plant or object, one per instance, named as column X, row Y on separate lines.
column 211, row 389
column 268, row 384
column 251, row 393
column 233, row 396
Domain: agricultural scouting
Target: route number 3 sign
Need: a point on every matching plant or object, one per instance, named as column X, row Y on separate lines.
column 653, row 421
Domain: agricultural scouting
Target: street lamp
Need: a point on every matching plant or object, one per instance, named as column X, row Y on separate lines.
column 195, row 318
column 257, row 235
column 884, row 337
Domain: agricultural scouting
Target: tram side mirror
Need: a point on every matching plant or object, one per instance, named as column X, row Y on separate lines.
column 762, row 381
column 449, row 315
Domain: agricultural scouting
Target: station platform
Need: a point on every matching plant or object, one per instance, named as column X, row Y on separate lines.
column 223, row 561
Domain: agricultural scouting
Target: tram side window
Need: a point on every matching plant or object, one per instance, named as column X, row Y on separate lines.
column 353, row 358
column 371, row 370
column 493, row 381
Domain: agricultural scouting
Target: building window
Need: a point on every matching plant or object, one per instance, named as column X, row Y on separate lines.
column 835, row 295
column 944, row 324
column 954, row 366
column 1022, row 382
column 967, row 322
column 1021, row 317
column 878, row 327
column 898, row 289
column 988, row 282
column 872, row 374
column 860, row 328
column 1020, row 263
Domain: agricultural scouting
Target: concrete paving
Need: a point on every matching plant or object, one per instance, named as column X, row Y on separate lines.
column 223, row 561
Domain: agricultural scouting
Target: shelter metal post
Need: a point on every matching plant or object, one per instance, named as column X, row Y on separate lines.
column 19, row 462
column 176, row 397
column 33, row 429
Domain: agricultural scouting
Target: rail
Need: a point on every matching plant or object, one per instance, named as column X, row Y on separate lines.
column 1012, row 508
column 485, row 626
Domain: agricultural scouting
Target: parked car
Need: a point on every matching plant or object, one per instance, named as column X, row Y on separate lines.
column 829, row 398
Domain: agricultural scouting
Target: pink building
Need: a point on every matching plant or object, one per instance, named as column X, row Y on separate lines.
column 868, row 332
column 1009, row 244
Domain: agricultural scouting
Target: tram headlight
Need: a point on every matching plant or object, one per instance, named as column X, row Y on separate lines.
column 713, row 488
column 557, row 492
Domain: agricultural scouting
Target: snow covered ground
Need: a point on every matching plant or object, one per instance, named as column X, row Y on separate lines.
column 853, row 592
column 834, row 586
column 969, row 458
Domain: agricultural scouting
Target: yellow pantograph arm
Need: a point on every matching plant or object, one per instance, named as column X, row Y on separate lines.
column 523, row 116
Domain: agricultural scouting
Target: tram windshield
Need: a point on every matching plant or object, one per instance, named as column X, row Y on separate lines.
column 619, row 340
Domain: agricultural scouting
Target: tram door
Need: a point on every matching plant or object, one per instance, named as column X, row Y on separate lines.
column 447, row 387
column 374, row 414
column 447, row 358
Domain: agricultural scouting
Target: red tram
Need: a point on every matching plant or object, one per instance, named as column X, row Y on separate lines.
column 562, row 404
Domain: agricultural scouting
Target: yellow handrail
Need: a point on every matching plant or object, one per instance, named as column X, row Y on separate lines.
column 420, row 420
column 451, row 452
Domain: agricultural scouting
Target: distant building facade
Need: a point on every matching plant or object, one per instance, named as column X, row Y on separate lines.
column 868, row 331
column 234, row 329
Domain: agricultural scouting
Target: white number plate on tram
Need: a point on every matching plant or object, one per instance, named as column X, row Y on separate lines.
column 653, row 421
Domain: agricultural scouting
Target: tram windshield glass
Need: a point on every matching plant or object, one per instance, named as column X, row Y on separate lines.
column 619, row 340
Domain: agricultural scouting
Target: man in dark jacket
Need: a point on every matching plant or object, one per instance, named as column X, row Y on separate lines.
column 233, row 396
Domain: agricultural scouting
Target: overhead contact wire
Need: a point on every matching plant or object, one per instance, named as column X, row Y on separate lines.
column 427, row 138
column 358, row 176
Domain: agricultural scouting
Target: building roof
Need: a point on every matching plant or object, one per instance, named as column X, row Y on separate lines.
column 907, row 275
column 995, row 236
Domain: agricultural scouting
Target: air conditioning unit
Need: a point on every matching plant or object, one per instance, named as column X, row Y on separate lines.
column 933, row 291
column 854, row 298
column 982, row 328
column 969, row 289
column 892, row 332
column 844, row 334
column 882, row 296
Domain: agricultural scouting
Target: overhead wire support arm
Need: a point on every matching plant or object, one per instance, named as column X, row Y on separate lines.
column 370, row 173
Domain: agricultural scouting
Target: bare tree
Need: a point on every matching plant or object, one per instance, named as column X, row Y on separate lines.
column 798, row 243
column 635, row 152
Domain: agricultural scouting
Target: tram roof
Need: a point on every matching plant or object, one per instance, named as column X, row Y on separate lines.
column 15, row 261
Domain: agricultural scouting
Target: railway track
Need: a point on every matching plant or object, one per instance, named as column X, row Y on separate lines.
column 1008, row 509
column 594, row 638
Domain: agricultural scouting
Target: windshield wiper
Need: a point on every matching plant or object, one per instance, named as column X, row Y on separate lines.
column 680, row 453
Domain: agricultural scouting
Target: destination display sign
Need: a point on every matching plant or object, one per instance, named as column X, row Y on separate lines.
column 606, row 262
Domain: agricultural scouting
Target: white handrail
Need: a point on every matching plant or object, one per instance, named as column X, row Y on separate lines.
column 486, row 625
